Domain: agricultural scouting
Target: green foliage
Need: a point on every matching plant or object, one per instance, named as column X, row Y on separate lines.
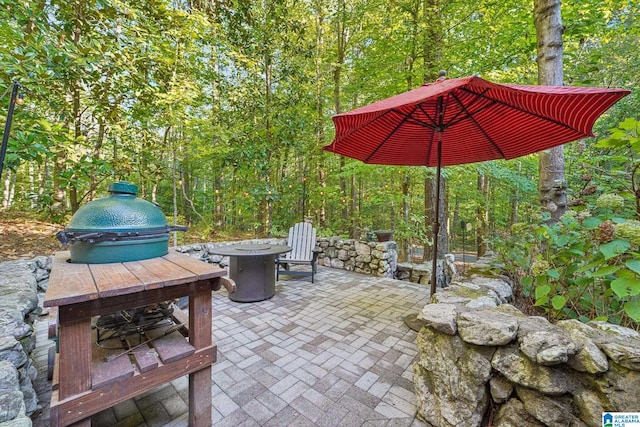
column 587, row 265
column 233, row 102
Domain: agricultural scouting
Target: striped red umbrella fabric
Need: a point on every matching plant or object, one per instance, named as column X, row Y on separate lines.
column 475, row 120
column 468, row 120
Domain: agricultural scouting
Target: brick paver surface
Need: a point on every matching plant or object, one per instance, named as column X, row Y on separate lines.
column 332, row 353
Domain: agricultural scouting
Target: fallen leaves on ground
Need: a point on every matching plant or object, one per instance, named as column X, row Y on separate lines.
column 26, row 238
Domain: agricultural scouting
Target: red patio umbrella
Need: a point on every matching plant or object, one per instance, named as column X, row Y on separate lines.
column 467, row 120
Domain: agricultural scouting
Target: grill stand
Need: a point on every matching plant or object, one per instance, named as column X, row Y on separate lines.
column 81, row 291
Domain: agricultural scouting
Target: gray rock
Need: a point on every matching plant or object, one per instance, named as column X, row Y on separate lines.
column 624, row 354
column 618, row 330
column 9, row 379
column 18, row 422
column 441, row 317
column 451, row 386
column 545, row 343
column 519, row 369
column 482, row 302
column 510, row 310
column 622, row 386
column 363, row 249
column 448, row 297
column 500, row 389
column 556, row 411
column 12, row 351
column 513, row 414
column 29, row 395
column 499, row 285
column 486, row 327
column 16, row 327
column 590, row 404
column 589, row 358
column 11, row 406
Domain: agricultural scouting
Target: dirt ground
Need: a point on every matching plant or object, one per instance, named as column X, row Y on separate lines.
column 24, row 238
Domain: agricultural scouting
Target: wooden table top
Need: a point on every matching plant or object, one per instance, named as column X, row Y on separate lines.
column 71, row 283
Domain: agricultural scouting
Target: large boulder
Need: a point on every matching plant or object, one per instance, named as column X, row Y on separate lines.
column 450, row 379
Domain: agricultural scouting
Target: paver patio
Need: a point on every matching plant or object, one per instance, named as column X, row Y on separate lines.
column 332, row 353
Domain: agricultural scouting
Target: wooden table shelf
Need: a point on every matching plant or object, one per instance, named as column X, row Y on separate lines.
column 85, row 382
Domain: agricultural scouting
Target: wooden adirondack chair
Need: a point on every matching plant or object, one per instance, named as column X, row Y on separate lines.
column 302, row 239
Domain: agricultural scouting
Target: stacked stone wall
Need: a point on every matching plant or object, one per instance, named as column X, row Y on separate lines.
column 480, row 359
column 20, row 282
column 374, row 258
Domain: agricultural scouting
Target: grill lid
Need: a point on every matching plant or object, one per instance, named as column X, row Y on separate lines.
column 120, row 216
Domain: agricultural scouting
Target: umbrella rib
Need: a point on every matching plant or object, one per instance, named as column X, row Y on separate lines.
column 405, row 117
column 475, row 123
column 539, row 116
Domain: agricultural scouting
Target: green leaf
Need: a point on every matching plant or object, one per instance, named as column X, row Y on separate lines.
column 632, row 308
column 605, row 271
column 542, row 301
column 558, row 302
column 526, row 281
column 553, row 273
column 543, row 290
column 590, row 266
column 614, row 248
column 629, row 124
column 591, row 223
column 634, row 265
column 624, row 287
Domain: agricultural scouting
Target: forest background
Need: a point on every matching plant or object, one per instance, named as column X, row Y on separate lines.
column 218, row 112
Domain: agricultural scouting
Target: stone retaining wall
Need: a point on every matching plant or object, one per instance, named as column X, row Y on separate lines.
column 19, row 285
column 481, row 358
column 375, row 258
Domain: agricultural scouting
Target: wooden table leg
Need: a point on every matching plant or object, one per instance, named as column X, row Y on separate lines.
column 74, row 342
column 200, row 337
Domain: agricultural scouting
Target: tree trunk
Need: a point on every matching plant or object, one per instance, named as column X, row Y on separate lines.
column 552, row 186
column 482, row 214
column 432, row 55
column 320, row 121
column 515, row 200
column 354, row 207
column 405, row 246
column 341, row 39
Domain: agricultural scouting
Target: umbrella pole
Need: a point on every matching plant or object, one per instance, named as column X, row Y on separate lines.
column 436, row 220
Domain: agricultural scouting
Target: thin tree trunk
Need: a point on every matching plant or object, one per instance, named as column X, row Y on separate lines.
column 354, row 207
column 341, row 38
column 406, row 244
column 432, row 55
column 552, row 186
column 482, row 213
column 319, row 133
column 515, row 200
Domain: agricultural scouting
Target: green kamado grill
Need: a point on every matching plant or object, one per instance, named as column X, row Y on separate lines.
column 118, row 228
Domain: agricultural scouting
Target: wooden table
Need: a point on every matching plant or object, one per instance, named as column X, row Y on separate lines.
column 87, row 383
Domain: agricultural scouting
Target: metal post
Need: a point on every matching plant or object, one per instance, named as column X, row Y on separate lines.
column 436, row 221
column 436, row 224
column 7, row 125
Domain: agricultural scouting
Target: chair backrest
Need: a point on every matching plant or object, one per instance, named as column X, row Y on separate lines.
column 302, row 239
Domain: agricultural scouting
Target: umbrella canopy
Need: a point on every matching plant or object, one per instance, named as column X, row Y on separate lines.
column 468, row 120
